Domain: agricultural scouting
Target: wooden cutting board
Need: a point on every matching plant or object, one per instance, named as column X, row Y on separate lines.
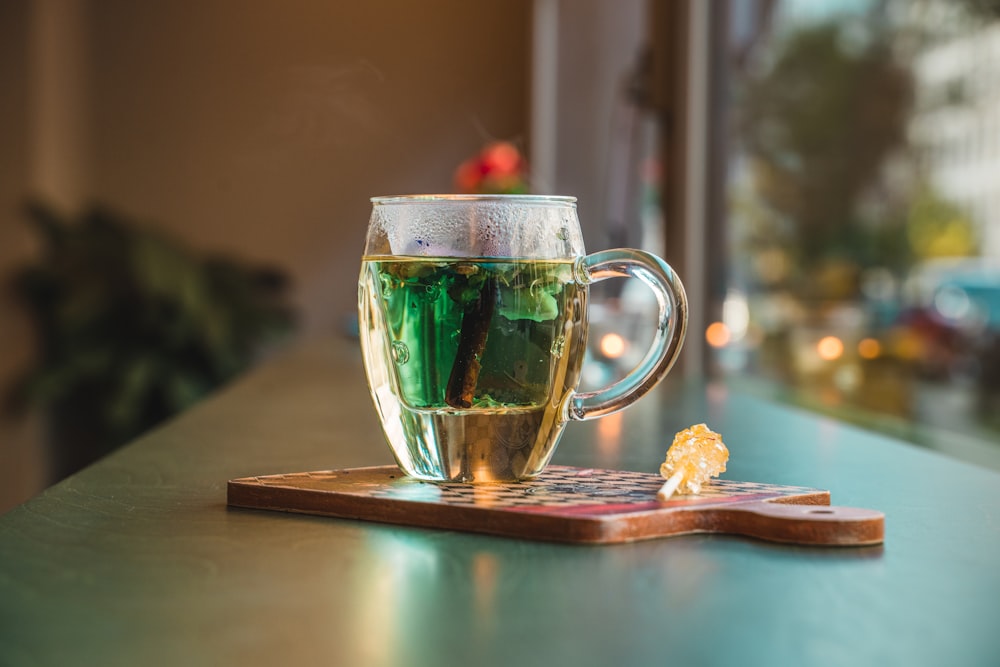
column 566, row 504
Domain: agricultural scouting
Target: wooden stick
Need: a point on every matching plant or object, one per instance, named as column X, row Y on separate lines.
column 670, row 486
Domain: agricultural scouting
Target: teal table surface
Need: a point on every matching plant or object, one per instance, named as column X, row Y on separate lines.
column 138, row 561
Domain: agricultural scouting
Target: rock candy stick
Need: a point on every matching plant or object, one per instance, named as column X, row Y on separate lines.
column 696, row 455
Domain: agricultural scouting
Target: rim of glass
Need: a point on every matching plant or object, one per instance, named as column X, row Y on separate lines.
column 527, row 199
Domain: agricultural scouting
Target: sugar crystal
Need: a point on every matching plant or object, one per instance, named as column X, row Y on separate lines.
column 698, row 454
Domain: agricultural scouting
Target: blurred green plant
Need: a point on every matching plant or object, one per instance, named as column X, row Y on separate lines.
column 132, row 327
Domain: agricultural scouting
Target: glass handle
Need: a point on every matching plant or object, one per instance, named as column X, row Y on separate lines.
column 670, row 328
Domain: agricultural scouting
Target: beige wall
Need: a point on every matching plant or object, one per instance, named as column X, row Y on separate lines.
column 263, row 127
column 21, row 459
column 258, row 128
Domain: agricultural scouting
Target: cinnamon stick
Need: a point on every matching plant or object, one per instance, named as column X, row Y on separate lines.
column 471, row 343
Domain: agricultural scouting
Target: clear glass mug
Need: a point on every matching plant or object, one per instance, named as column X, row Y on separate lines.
column 473, row 318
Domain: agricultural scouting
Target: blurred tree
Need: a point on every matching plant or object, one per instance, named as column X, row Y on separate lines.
column 985, row 9
column 819, row 125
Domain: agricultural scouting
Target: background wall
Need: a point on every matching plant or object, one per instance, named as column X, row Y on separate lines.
column 262, row 128
column 248, row 127
column 21, row 459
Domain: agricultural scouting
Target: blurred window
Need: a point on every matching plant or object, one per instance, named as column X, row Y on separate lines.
column 825, row 177
column 861, row 268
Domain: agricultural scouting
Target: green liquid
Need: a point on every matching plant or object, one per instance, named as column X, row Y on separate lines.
column 469, row 360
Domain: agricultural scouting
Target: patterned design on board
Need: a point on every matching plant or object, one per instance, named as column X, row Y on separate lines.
column 561, row 486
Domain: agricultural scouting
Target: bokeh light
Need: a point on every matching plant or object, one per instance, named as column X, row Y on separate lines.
column 869, row 348
column 830, row 348
column 612, row 345
column 717, row 334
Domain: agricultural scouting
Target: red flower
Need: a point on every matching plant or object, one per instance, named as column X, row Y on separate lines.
column 499, row 168
column 501, row 159
column 468, row 175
